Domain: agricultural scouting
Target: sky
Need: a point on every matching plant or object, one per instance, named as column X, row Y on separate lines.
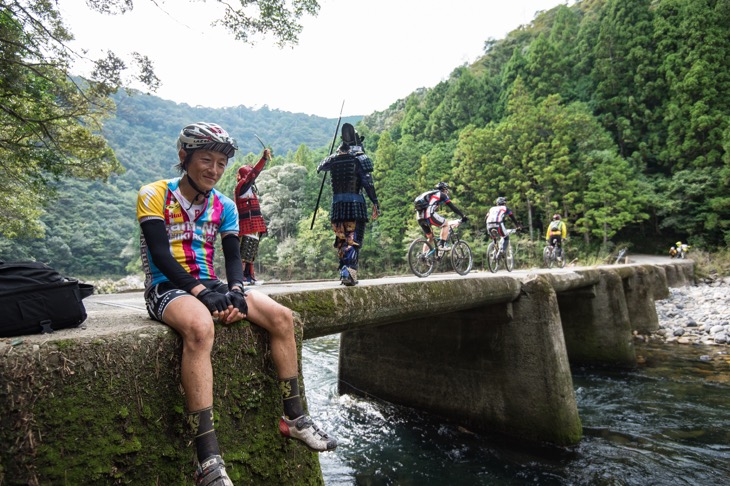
column 367, row 53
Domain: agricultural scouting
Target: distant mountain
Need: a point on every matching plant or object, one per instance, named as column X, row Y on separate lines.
column 144, row 132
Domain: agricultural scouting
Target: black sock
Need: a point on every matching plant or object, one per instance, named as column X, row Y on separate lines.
column 206, row 442
column 293, row 407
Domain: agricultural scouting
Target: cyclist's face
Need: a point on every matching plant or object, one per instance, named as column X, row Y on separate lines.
column 206, row 167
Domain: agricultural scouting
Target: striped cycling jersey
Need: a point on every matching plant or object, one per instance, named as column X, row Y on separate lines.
column 191, row 235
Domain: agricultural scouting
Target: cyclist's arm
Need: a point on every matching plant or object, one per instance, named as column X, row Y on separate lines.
column 453, row 207
column 232, row 257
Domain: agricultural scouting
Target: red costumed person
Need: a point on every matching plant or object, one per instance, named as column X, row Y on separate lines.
column 251, row 225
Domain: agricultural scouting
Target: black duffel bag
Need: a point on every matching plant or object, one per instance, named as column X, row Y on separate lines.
column 34, row 298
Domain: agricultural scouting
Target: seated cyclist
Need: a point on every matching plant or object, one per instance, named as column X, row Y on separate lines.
column 495, row 220
column 180, row 221
column 556, row 232
column 429, row 217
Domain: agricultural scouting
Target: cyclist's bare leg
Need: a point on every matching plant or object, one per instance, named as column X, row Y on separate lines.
column 429, row 237
column 444, row 232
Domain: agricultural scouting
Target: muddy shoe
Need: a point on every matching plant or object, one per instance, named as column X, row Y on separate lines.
column 212, row 472
column 304, row 429
column 348, row 276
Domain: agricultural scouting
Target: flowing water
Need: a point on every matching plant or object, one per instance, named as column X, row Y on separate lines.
column 665, row 423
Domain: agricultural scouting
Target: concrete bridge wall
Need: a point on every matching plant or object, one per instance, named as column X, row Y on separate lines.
column 500, row 367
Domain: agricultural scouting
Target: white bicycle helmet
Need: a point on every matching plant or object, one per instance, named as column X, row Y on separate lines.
column 209, row 136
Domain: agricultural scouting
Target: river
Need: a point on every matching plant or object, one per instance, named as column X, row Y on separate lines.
column 665, row 423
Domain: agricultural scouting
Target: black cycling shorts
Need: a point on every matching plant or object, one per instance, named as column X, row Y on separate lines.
column 158, row 297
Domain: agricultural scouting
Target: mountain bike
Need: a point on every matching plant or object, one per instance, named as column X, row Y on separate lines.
column 495, row 254
column 550, row 256
column 423, row 256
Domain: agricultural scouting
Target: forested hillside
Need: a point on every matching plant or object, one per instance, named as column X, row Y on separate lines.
column 613, row 113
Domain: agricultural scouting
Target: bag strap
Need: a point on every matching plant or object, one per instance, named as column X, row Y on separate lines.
column 86, row 290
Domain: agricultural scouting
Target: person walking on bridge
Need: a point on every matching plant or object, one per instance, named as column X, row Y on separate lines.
column 180, row 220
column 351, row 174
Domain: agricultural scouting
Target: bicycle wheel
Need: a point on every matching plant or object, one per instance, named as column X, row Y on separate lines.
column 547, row 257
column 461, row 259
column 509, row 258
column 492, row 260
column 421, row 263
column 561, row 261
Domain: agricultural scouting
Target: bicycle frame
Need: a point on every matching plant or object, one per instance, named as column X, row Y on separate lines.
column 496, row 250
column 550, row 254
column 424, row 255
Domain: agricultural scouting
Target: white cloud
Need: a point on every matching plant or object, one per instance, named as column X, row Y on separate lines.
column 368, row 52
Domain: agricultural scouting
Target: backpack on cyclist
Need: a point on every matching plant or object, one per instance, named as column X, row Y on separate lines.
column 34, row 298
column 422, row 201
column 555, row 226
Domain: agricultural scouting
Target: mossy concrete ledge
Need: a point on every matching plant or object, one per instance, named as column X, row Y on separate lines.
column 333, row 310
column 102, row 404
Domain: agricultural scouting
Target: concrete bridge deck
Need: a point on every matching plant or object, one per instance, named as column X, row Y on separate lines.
column 327, row 307
column 489, row 351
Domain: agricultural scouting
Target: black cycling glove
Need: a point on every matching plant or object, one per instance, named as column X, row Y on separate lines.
column 214, row 301
column 238, row 299
column 464, row 219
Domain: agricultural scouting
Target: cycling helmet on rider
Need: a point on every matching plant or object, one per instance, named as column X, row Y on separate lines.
column 556, row 217
column 442, row 186
column 500, row 201
column 209, row 136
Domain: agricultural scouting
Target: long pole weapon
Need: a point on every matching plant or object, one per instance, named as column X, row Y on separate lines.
column 324, row 177
column 260, row 141
column 268, row 159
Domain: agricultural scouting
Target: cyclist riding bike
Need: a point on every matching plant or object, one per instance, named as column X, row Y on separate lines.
column 556, row 232
column 428, row 216
column 495, row 220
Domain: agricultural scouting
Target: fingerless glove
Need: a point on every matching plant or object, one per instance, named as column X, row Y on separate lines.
column 213, row 300
column 238, row 299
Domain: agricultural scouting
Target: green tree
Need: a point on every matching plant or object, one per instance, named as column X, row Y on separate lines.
column 51, row 123
column 49, row 126
column 613, row 198
column 693, row 43
column 395, row 184
column 281, row 190
column 480, row 174
column 624, row 72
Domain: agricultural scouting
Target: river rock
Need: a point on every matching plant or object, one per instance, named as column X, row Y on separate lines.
column 695, row 314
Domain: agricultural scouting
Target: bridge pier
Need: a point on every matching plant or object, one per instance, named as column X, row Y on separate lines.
column 596, row 322
column 639, row 292
column 501, row 368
